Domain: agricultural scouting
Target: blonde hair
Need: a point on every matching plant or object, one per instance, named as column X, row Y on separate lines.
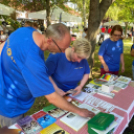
column 82, row 47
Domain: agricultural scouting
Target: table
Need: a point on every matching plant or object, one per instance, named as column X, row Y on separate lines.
column 122, row 107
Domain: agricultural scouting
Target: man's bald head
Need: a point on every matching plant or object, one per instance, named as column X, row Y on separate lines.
column 57, row 31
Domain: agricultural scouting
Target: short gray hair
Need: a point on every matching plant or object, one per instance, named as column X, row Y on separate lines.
column 57, row 31
column 82, row 47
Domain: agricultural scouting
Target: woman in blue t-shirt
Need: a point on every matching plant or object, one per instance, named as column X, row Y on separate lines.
column 111, row 52
column 67, row 69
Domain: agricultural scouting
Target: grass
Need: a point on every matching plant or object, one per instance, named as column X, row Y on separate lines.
column 41, row 102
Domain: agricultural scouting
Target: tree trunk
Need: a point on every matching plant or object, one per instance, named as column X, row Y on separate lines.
column 84, row 13
column 48, row 12
column 97, row 12
column 126, row 27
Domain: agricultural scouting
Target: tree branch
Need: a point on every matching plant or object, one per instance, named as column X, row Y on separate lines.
column 103, row 7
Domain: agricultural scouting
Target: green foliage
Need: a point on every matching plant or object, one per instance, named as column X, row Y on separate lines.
column 13, row 23
column 11, row 20
column 80, row 6
column 121, row 10
column 127, row 12
column 112, row 12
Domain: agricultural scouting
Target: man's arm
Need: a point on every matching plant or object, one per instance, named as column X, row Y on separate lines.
column 57, row 89
column 1, row 47
column 103, row 63
column 60, row 102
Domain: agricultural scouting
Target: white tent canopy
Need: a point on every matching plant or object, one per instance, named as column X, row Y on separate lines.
column 5, row 10
column 37, row 15
column 112, row 23
column 55, row 15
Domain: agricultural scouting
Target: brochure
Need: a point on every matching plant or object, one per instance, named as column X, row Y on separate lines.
column 53, row 129
column 46, row 120
column 116, row 89
column 75, row 121
column 93, row 86
column 111, row 95
column 120, row 85
column 54, row 111
column 98, row 82
column 81, row 96
column 38, row 115
column 131, row 84
column 123, row 79
column 29, row 125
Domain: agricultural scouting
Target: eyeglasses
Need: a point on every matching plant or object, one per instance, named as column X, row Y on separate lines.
column 56, row 45
column 117, row 35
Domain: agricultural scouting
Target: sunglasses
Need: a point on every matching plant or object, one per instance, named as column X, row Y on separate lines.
column 117, row 35
column 56, row 45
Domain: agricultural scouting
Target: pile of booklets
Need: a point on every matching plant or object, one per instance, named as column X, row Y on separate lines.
column 121, row 83
column 108, row 77
column 107, row 85
column 43, row 122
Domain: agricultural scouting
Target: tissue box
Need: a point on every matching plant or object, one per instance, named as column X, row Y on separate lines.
column 107, row 88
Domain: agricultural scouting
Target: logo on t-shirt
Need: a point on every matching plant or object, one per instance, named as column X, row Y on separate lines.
column 78, row 68
column 9, row 52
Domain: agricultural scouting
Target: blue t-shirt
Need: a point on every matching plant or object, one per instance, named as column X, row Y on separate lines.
column 23, row 74
column 111, row 52
column 133, row 60
column 66, row 74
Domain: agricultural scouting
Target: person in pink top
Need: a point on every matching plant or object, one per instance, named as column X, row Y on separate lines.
column 109, row 30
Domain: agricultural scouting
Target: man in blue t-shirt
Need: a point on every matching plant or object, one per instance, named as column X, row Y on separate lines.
column 23, row 74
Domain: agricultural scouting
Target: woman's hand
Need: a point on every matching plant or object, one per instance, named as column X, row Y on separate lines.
column 60, row 91
column 122, row 69
column 106, row 68
column 77, row 90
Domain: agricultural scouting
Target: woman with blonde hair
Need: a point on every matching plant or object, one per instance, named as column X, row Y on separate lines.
column 111, row 52
column 67, row 69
